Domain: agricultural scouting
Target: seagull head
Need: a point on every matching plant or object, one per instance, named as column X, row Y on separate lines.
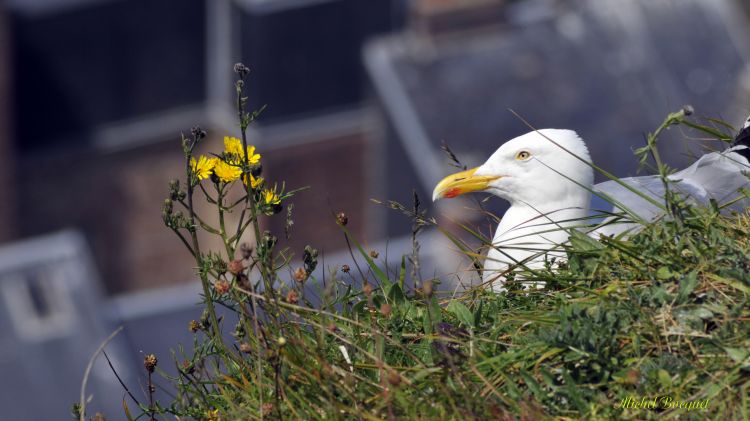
column 541, row 167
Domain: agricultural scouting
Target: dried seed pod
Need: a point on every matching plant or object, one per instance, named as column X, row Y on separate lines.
column 221, row 286
column 235, row 267
column 386, row 309
column 342, row 219
column 243, row 281
column 267, row 408
column 367, row 289
column 241, row 70
column 427, row 288
column 394, row 379
column 300, row 275
column 149, row 362
column 292, row 297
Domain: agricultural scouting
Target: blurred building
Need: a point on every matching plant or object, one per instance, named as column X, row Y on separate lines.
column 103, row 89
column 7, row 163
column 51, row 322
column 361, row 93
column 610, row 70
column 94, row 95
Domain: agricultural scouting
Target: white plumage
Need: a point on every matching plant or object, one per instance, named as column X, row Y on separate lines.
column 547, row 178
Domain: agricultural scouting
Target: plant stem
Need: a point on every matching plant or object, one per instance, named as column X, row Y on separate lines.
column 150, row 398
column 197, row 252
column 249, row 202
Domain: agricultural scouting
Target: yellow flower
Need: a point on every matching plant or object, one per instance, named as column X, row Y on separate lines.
column 254, row 182
column 202, row 167
column 270, row 197
column 252, row 157
column 212, row 415
column 226, row 171
column 233, row 146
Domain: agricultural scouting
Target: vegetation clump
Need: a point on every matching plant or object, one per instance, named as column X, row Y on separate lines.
column 650, row 326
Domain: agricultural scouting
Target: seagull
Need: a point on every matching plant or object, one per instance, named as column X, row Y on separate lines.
column 547, row 176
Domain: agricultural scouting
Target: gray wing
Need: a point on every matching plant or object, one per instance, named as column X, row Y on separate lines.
column 717, row 175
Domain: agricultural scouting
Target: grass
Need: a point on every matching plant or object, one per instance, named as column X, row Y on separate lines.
column 662, row 315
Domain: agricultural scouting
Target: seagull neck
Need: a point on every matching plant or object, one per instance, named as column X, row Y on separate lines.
column 527, row 219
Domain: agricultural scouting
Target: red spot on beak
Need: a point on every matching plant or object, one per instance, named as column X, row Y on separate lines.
column 450, row 194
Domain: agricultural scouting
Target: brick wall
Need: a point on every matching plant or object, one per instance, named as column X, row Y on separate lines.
column 116, row 199
column 335, row 172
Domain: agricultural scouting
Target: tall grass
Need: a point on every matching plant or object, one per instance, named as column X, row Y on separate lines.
column 661, row 315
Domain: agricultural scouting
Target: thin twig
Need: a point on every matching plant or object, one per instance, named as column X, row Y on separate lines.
column 89, row 366
column 119, row 379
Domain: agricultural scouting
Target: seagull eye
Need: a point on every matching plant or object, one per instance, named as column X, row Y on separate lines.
column 523, row 155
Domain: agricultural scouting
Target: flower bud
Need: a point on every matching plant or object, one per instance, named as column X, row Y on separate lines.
column 205, row 320
column 188, row 367
column 269, row 240
column 239, row 330
column 246, row 250
column 310, row 258
column 168, row 208
column 198, row 132
column 194, row 326
column 174, row 189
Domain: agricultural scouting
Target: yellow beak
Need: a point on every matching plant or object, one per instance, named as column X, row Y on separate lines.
column 460, row 183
